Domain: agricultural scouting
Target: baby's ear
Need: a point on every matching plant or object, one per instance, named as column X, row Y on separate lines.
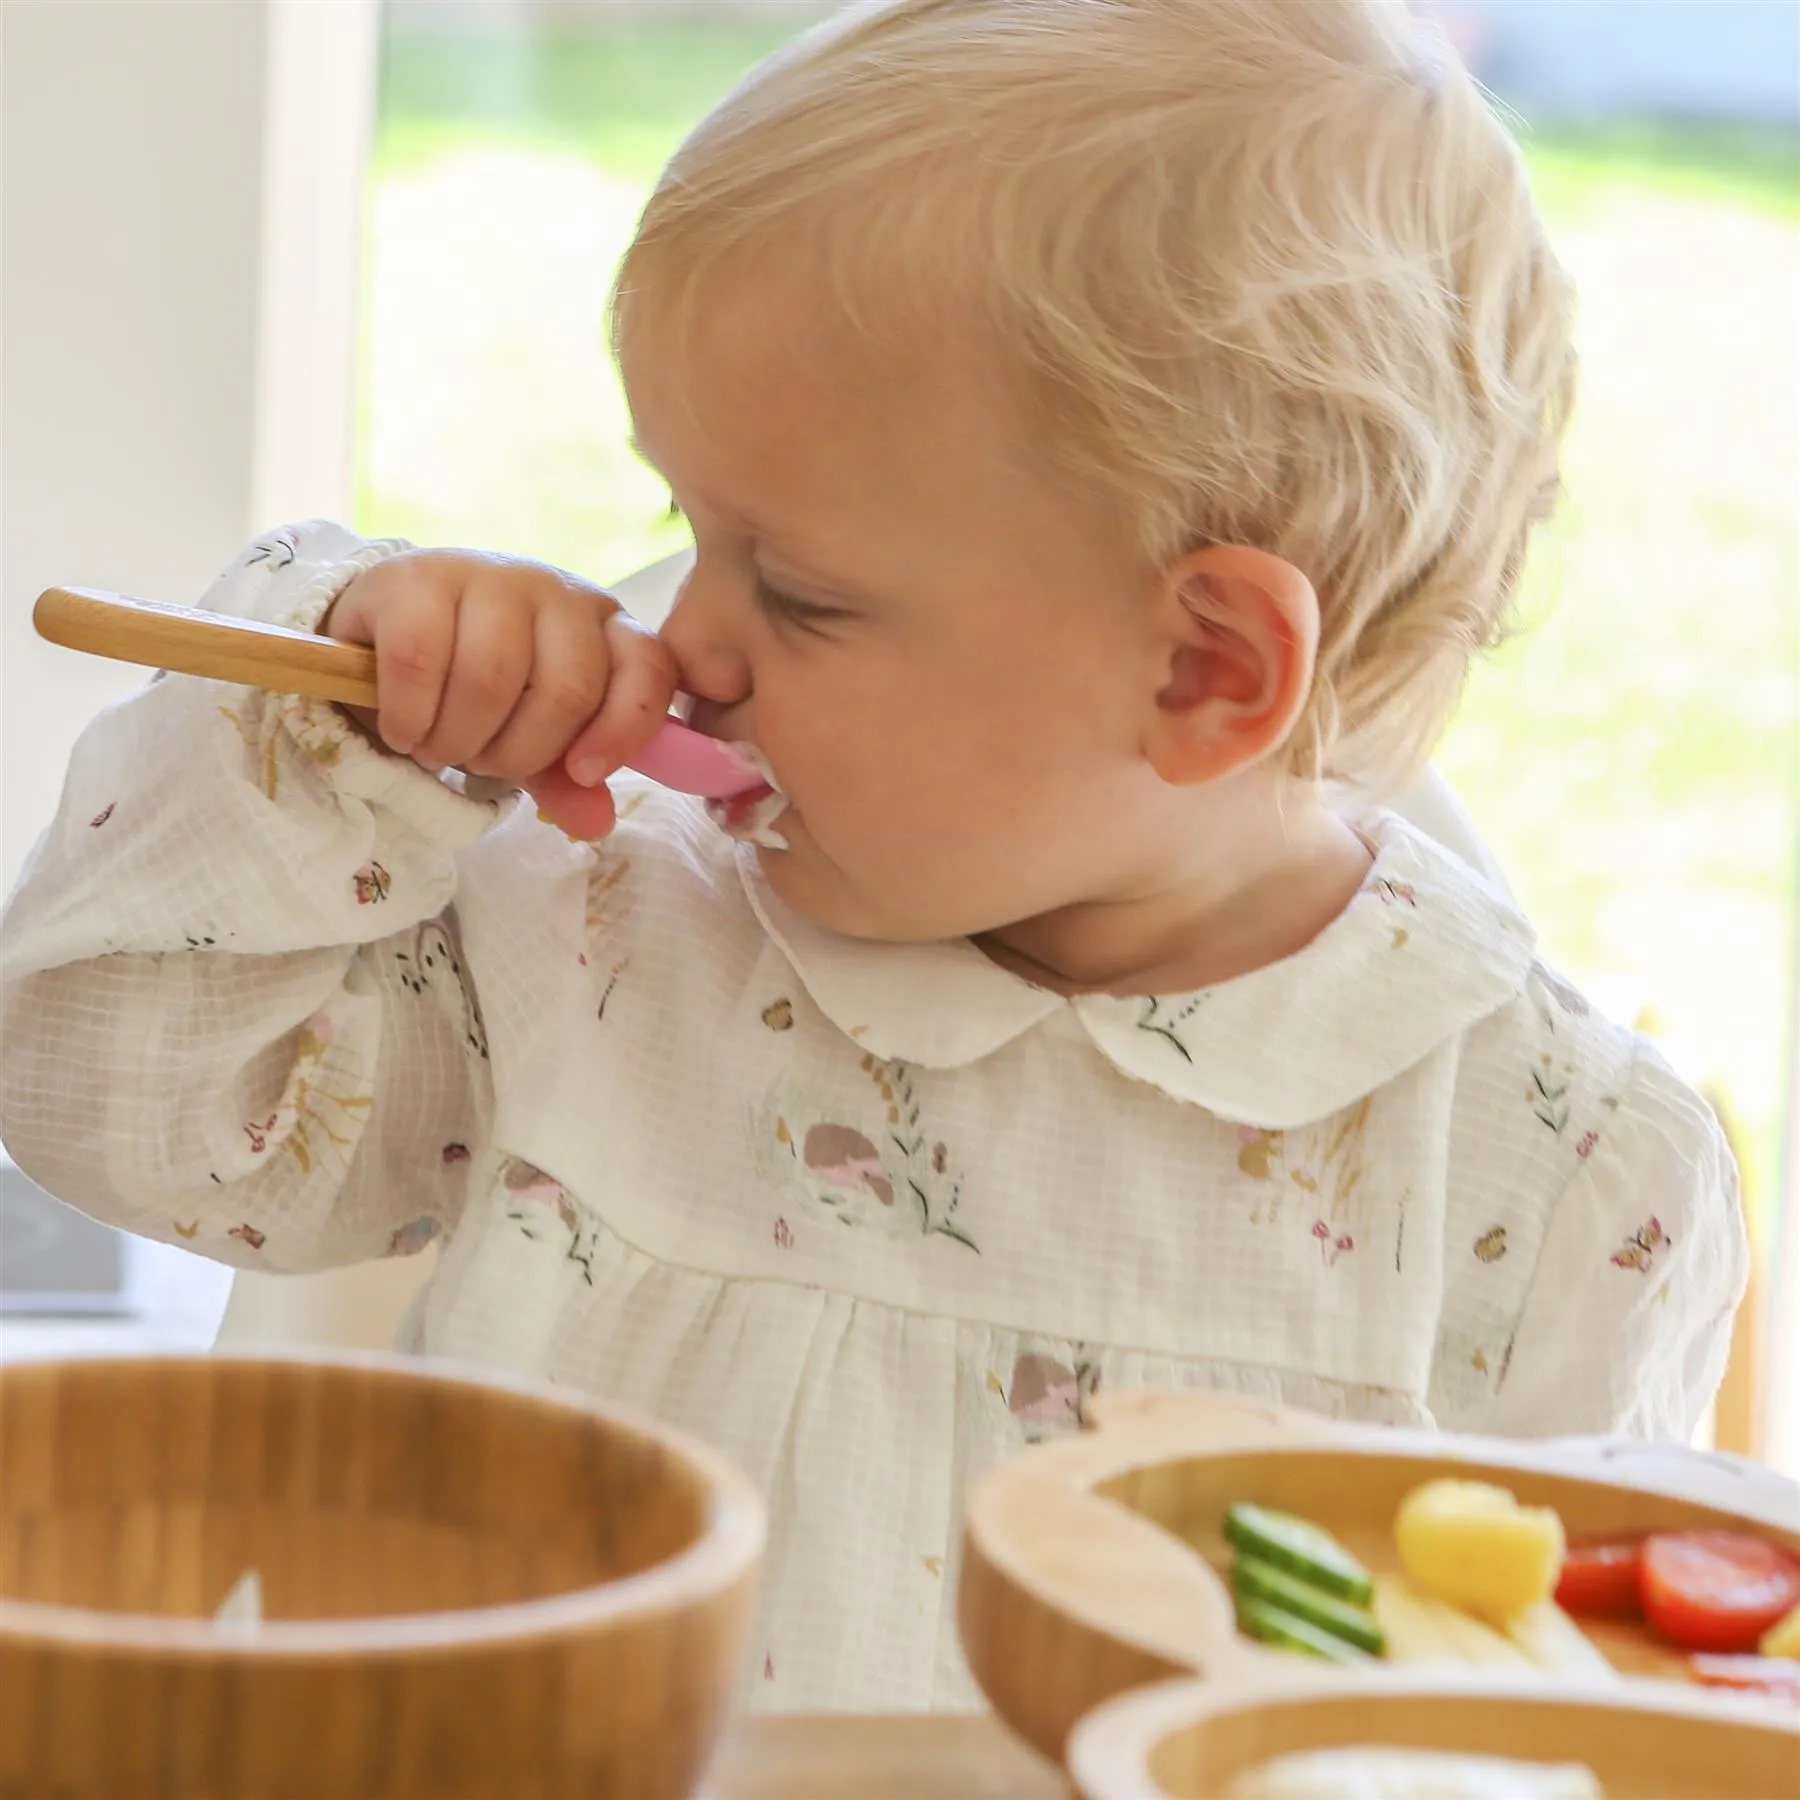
column 1237, row 635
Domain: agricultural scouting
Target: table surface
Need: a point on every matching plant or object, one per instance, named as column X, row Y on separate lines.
column 966, row 1757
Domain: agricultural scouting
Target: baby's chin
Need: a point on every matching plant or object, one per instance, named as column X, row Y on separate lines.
column 814, row 888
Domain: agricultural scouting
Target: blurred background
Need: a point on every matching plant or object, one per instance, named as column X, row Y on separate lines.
column 428, row 199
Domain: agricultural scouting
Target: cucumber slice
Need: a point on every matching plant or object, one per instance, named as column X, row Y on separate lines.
column 1254, row 1580
column 1288, row 1631
column 1300, row 1548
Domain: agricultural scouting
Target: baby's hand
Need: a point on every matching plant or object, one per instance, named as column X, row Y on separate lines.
column 510, row 669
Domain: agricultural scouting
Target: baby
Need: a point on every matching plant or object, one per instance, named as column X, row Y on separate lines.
column 1108, row 427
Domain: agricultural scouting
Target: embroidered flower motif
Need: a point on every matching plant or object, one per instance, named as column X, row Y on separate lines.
column 257, row 1131
column 433, row 953
column 884, row 1171
column 1167, row 1025
column 413, row 1236
column 1393, row 893
column 326, row 1101
column 1491, row 1245
column 454, row 1153
column 186, row 1231
column 276, row 551
column 1045, row 1391
column 1258, row 1151
column 779, row 1015
column 611, row 898
column 784, row 1235
column 1585, row 1148
column 846, row 1159
column 1326, row 1162
column 100, row 818
column 1549, row 1098
column 248, row 1234
column 258, row 727
column 539, row 1204
column 612, row 982
column 531, row 1187
column 1330, row 1248
column 372, row 883
column 1639, row 1250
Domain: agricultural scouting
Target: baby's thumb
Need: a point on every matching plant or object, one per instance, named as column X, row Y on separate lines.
column 583, row 813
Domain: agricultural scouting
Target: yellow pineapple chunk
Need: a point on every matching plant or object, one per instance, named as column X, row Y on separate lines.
column 1419, row 1629
column 1476, row 1547
column 1783, row 1639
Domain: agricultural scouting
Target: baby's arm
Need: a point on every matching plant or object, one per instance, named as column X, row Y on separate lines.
column 234, row 1011
column 1626, row 1320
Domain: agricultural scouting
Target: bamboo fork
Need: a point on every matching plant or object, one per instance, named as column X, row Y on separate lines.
column 210, row 644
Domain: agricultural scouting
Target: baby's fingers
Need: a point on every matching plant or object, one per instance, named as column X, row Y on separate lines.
column 409, row 617
column 584, row 813
column 489, row 668
column 568, row 677
column 638, row 693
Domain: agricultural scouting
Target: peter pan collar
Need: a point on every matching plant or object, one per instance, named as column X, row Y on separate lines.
column 1423, row 952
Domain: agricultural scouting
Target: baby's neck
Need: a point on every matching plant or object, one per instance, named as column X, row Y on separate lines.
column 1203, row 919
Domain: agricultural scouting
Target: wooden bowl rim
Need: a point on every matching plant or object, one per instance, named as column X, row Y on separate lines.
column 1110, row 1750
column 729, row 1546
column 1138, row 1431
column 1117, row 1602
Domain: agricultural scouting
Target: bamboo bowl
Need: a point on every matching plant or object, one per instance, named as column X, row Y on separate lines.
column 1644, row 1741
column 1094, row 1565
column 472, row 1587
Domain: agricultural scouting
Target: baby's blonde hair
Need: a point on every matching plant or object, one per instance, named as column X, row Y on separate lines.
column 1264, row 272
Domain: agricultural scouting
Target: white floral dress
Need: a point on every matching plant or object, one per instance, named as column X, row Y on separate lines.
column 868, row 1218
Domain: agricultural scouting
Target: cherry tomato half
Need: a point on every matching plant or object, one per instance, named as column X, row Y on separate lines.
column 1600, row 1580
column 1715, row 1590
column 1771, row 1676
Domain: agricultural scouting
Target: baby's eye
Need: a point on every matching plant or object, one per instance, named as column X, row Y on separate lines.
column 805, row 615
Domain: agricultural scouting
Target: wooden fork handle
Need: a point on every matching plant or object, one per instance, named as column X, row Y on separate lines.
column 210, row 644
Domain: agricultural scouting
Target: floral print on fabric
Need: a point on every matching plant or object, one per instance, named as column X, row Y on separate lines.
column 1322, row 1167
column 1047, row 1394
column 322, row 1108
column 430, row 965
column 547, row 1213
column 881, row 1169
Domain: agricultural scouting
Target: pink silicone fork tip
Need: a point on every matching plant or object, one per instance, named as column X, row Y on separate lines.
column 692, row 763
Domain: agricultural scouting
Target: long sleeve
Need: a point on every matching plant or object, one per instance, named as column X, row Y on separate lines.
column 234, row 1008
column 1627, row 1318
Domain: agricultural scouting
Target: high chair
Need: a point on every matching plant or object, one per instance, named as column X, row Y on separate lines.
column 364, row 1307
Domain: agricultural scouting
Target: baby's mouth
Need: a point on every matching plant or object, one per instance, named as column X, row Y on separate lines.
column 750, row 816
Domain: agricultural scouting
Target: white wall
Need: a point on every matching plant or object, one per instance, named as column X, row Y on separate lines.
column 146, row 142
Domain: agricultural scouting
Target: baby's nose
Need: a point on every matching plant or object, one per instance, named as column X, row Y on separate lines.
column 713, row 666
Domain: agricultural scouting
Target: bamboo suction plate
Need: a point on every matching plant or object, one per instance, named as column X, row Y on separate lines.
column 1090, row 1565
column 472, row 1588
column 1642, row 1740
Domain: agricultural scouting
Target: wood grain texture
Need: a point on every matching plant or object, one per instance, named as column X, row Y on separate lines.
column 210, row 644
column 1644, row 1741
column 473, row 1587
column 1093, row 1566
